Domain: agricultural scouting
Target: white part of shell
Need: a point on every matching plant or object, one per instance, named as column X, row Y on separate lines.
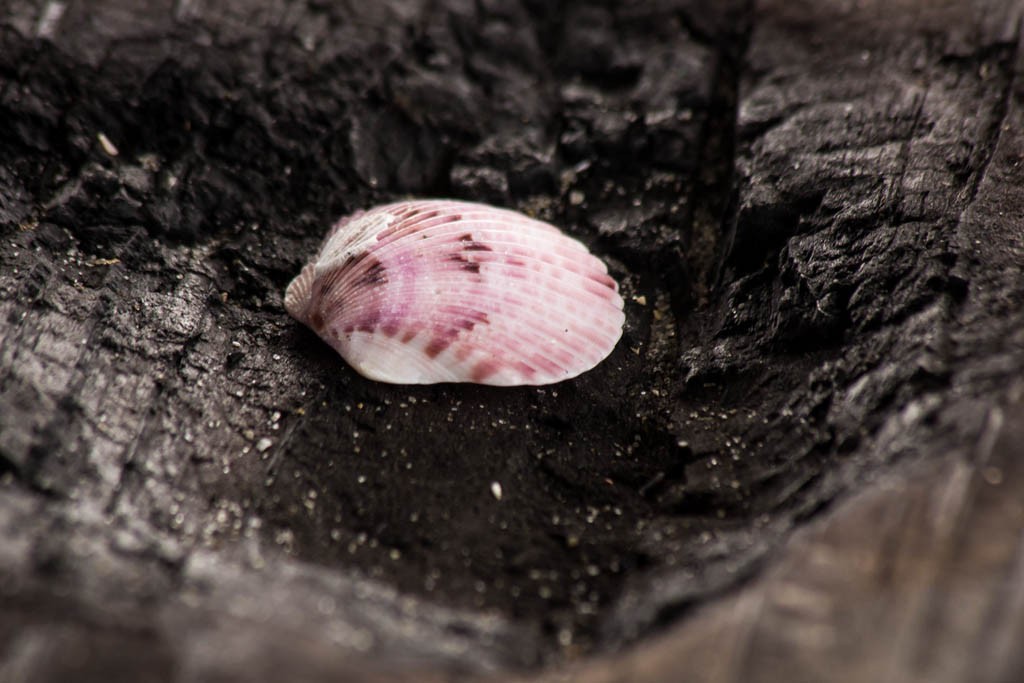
column 429, row 291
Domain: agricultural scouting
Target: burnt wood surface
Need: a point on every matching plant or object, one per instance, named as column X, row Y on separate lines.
column 803, row 461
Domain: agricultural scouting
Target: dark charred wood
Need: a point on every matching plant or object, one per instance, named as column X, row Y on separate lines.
column 801, row 463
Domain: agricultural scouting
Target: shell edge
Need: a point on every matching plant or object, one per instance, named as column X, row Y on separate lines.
column 298, row 293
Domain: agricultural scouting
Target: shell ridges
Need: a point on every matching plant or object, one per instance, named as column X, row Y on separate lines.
column 426, row 291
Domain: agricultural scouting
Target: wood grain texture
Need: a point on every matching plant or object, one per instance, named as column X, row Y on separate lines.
column 802, row 463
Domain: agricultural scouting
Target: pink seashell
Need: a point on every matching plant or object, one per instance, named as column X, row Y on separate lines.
column 429, row 291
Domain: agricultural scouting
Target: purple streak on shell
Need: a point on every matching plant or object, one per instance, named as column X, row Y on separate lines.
column 443, row 291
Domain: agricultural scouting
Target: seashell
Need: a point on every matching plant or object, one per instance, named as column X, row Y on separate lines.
column 428, row 291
